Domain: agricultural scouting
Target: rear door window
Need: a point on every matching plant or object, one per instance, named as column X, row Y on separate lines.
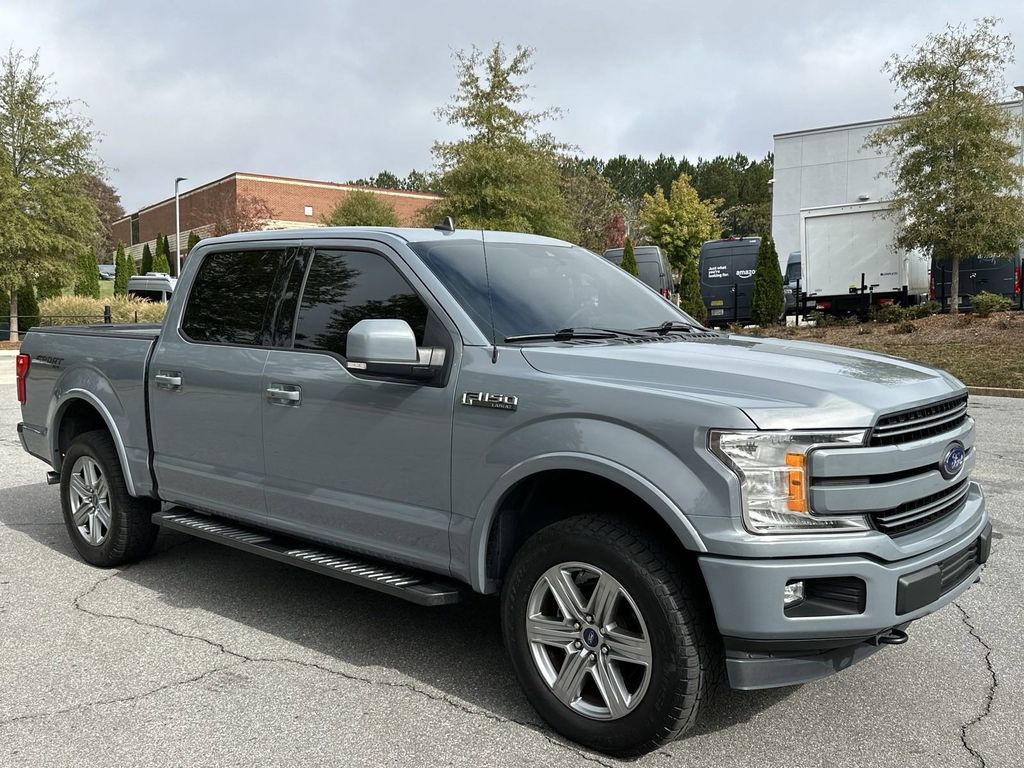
column 344, row 287
column 231, row 296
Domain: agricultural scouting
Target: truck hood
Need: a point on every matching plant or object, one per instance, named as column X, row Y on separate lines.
column 778, row 383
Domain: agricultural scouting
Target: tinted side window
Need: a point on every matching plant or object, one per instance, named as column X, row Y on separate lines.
column 230, row 297
column 343, row 288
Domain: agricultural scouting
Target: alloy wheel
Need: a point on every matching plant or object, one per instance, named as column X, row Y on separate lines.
column 588, row 641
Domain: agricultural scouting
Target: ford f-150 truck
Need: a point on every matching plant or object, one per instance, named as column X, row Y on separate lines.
column 436, row 412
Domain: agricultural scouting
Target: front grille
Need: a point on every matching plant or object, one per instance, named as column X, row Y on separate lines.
column 954, row 569
column 918, row 513
column 920, row 423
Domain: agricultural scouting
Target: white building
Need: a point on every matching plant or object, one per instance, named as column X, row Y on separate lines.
column 825, row 172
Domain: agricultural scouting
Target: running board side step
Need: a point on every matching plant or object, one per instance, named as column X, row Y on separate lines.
column 422, row 589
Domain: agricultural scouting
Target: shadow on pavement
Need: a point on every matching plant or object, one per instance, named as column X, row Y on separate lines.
column 456, row 649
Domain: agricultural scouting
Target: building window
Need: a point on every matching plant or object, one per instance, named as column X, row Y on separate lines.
column 309, row 210
column 135, row 229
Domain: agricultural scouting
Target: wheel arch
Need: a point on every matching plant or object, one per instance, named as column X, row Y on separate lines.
column 491, row 552
column 80, row 411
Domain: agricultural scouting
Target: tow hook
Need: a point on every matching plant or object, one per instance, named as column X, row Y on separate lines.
column 892, row 637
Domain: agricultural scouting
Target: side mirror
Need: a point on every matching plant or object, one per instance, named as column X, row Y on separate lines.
column 387, row 348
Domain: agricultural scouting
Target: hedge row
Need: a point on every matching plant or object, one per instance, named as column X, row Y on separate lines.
column 78, row 310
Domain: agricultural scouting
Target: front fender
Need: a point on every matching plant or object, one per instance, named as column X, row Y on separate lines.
column 610, row 469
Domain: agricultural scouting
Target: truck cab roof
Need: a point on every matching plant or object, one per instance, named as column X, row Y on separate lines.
column 408, row 234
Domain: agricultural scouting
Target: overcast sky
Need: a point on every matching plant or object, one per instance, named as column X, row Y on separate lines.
column 338, row 90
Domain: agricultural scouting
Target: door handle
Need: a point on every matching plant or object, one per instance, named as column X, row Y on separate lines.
column 287, row 396
column 168, row 380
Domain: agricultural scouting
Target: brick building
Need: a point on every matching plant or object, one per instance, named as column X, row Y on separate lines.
column 219, row 205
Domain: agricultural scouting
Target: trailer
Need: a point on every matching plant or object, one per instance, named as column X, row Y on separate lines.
column 849, row 262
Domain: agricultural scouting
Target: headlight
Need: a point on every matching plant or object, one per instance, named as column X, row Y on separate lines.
column 772, row 467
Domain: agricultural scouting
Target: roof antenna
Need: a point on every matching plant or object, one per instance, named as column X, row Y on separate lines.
column 446, row 225
column 490, row 299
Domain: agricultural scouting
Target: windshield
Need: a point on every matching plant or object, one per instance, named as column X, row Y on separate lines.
column 540, row 288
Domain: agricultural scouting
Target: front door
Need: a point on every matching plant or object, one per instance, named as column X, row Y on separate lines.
column 205, row 385
column 353, row 461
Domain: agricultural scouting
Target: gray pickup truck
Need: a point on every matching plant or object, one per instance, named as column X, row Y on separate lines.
column 432, row 413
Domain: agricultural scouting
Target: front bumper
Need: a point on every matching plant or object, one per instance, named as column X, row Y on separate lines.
column 765, row 647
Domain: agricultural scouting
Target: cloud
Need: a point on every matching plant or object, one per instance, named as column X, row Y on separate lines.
column 339, row 90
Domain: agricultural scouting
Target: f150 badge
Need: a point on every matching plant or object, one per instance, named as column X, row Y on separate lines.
column 490, row 400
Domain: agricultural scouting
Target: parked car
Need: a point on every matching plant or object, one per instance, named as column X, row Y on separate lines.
column 1001, row 276
column 656, row 503
column 152, row 286
column 107, row 271
column 727, row 269
column 652, row 264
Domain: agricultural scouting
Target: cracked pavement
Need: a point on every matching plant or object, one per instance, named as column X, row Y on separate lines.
column 203, row 655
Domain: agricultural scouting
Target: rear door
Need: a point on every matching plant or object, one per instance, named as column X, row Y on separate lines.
column 716, row 285
column 359, row 462
column 205, row 385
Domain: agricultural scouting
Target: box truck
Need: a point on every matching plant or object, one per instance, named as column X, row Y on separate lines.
column 850, row 263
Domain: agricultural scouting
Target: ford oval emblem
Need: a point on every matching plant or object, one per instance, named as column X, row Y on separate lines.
column 953, row 461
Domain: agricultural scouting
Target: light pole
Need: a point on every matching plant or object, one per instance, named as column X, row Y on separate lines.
column 177, row 228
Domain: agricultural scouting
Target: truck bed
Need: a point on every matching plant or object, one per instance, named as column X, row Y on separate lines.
column 103, row 365
column 126, row 330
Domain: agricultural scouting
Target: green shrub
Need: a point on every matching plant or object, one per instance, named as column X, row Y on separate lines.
column 768, row 301
column 904, row 326
column 690, row 300
column 147, row 260
column 926, row 309
column 87, row 278
column 161, row 258
column 985, row 303
column 629, row 259
column 824, row 319
column 120, row 271
column 84, row 310
column 891, row 313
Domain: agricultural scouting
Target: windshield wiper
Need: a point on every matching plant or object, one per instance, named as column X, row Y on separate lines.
column 567, row 334
column 672, row 325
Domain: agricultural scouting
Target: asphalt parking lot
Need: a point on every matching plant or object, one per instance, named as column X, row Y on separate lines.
column 202, row 655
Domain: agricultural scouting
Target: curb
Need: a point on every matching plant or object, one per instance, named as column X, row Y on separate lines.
column 995, row 391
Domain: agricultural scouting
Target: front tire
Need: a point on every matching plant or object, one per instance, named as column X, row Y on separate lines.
column 107, row 525
column 608, row 638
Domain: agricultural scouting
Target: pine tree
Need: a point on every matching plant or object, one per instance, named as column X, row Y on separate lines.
column 193, row 241
column 129, row 268
column 147, row 260
column 690, row 300
column 629, row 259
column 120, row 271
column 160, row 259
column 87, row 281
column 768, row 301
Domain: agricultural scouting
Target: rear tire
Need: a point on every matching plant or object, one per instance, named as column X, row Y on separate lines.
column 663, row 657
column 107, row 525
